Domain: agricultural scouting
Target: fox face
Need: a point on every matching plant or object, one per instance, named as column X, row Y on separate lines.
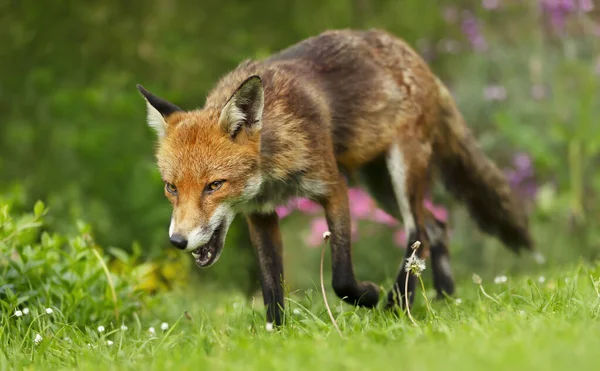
column 209, row 161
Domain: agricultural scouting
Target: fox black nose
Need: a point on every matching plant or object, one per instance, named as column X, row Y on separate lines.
column 178, row 241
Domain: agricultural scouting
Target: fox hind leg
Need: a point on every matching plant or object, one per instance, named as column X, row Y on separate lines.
column 443, row 280
column 408, row 175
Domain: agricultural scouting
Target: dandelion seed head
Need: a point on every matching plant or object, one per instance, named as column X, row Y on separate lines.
column 541, row 279
column 49, row 311
column 476, row 279
column 124, row 328
column 18, row 313
column 500, row 279
column 101, row 329
column 25, row 311
column 109, row 342
column 326, row 235
column 164, row 326
column 269, row 326
column 38, row 339
column 415, row 265
column 152, row 330
column 458, row 301
column 297, row 311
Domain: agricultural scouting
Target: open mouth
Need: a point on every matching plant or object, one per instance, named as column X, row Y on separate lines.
column 208, row 254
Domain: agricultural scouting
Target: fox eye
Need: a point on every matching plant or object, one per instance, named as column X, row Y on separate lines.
column 214, row 186
column 171, row 188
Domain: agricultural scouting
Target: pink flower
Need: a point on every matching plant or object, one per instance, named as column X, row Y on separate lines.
column 400, row 238
column 360, row 202
column 307, row 206
column 283, row 211
column 318, row 226
column 439, row 212
column 380, row 216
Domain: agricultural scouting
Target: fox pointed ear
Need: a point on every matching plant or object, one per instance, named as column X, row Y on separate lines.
column 158, row 110
column 244, row 108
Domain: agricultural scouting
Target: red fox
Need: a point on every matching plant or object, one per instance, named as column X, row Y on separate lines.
column 336, row 108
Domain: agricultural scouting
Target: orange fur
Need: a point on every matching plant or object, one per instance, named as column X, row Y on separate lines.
column 341, row 103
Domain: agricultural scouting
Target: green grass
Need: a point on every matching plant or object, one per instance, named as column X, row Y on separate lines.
column 550, row 325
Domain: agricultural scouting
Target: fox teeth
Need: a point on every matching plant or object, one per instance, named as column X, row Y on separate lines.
column 196, row 256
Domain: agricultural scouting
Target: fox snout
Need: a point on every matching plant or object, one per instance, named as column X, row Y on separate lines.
column 190, row 239
column 178, row 241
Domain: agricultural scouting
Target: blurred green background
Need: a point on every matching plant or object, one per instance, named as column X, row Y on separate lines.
column 526, row 75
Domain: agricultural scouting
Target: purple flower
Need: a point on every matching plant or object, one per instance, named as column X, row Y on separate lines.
column 521, row 176
column 559, row 10
column 494, row 93
column 490, row 4
column 586, row 5
column 470, row 28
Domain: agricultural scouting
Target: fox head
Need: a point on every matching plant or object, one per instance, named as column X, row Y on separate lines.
column 209, row 162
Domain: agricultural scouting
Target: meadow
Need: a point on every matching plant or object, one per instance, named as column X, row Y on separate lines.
column 88, row 279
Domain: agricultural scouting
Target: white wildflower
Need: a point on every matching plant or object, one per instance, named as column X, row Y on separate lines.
column 152, row 331
column 100, row 328
column 500, row 279
column 458, row 301
column 297, row 311
column 25, row 311
column 269, row 326
column 541, row 279
column 18, row 313
column 124, row 328
column 38, row 339
column 109, row 343
column 164, row 326
column 415, row 265
column 49, row 311
column 67, row 339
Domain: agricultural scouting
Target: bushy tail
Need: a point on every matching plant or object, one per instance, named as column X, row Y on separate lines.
column 476, row 181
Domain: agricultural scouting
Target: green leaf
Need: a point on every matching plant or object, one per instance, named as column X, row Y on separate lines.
column 39, row 209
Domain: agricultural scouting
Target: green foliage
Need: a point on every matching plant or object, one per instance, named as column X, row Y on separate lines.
column 67, row 273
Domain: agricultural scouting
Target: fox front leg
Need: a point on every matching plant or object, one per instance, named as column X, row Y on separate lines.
column 345, row 285
column 266, row 239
